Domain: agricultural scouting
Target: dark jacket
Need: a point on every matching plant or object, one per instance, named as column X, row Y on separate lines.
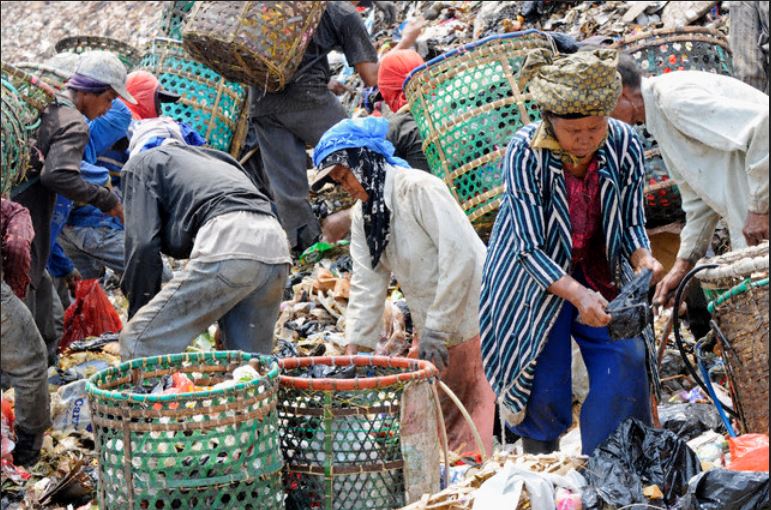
column 61, row 139
column 169, row 193
column 408, row 145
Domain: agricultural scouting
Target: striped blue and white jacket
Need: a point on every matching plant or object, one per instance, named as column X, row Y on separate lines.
column 530, row 248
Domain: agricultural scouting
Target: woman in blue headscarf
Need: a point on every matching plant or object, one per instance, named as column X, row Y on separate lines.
column 407, row 223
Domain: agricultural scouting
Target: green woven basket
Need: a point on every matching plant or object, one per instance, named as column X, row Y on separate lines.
column 210, row 104
column 82, row 43
column 341, row 437
column 467, row 106
column 174, row 16
column 50, row 75
column 660, row 52
column 208, row 449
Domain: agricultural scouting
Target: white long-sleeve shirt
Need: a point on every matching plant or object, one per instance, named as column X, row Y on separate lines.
column 713, row 134
column 434, row 253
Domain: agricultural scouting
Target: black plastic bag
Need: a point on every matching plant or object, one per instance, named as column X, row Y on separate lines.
column 634, row 457
column 630, row 311
column 690, row 420
column 721, row 489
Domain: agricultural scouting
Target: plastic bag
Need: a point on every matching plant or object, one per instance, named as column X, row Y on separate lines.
column 70, row 408
column 8, row 443
column 749, row 452
column 721, row 489
column 91, row 314
column 636, row 456
column 689, row 421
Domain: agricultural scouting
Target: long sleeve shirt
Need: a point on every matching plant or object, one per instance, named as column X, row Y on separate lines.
column 16, row 234
column 434, row 253
column 712, row 131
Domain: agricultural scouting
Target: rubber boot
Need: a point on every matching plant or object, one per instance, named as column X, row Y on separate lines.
column 27, row 450
column 533, row 446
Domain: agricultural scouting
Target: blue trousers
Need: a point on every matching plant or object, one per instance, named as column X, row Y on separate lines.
column 618, row 384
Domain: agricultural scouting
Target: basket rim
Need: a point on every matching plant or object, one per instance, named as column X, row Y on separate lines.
column 93, row 390
column 468, row 47
column 658, row 32
column 64, row 44
column 36, row 82
column 425, row 370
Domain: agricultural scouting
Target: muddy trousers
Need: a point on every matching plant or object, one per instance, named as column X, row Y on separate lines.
column 282, row 138
column 46, row 307
column 24, row 362
column 618, row 384
column 242, row 295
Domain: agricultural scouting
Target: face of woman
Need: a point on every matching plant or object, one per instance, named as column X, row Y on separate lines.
column 345, row 178
column 580, row 137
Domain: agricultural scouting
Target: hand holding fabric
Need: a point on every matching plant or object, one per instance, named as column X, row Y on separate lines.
column 433, row 348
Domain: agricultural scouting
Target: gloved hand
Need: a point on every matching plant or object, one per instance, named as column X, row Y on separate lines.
column 433, row 348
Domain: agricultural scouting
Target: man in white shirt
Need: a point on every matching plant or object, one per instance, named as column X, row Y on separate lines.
column 713, row 134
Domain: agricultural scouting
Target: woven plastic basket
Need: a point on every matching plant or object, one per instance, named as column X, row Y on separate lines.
column 174, row 16
column 14, row 141
column 259, row 43
column 660, row 52
column 81, row 43
column 739, row 286
column 50, row 75
column 207, row 449
column 341, row 438
column 467, row 107
column 213, row 106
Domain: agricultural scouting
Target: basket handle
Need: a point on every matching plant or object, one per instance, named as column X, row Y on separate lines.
column 463, row 411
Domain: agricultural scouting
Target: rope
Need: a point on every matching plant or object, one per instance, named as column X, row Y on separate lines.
column 467, row 417
column 442, row 434
column 743, row 287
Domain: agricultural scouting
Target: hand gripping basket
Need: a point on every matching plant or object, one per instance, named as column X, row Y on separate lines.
column 467, row 107
column 174, row 16
column 82, row 43
column 259, row 43
column 210, row 104
column 207, row 449
column 740, row 284
column 660, row 52
column 23, row 98
column 351, row 443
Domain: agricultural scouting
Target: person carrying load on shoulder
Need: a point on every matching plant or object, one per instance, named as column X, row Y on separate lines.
column 407, row 223
column 570, row 232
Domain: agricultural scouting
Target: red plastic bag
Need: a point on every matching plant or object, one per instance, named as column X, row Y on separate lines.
column 749, row 452
column 91, row 314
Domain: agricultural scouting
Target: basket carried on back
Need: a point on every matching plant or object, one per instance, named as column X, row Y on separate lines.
column 259, row 43
column 174, row 16
column 50, row 75
column 204, row 449
column 739, row 289
column 82, row 43
column 215, row 107
column 344, row 433
column 660, row 52
column 467, row 107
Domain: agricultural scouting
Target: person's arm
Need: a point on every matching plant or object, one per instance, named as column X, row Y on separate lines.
column 457, row 247
column 410, row 34
column 144, row 266
column 745, row 33
column 104, row 131
column 357, row 48
column 61, row 169
column 17, row 243
column 369, row 288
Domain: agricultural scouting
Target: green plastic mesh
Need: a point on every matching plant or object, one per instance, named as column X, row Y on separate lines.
column 48, row 74
column 15, row 147
column 660, row 52
column 342, row 449
column 214, row 107
column 82, row 43
column 202, row 450
column 173, row 17
column 467, row 106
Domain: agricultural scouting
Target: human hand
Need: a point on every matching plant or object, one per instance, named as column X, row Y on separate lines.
column 755, row 228
column 414, row 28
column 433, row 347
column 336, row 226
column 338, row 88
column 72, row 280
column 666, row 288
column 116, row 212
column 642, row 259
column 591, row 309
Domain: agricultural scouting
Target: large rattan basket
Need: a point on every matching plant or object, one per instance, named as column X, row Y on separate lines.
column 659, row 52
column 467, row 105
column 259, row 43
column 213, row 106
column 739, row 286
column 343, row 439
column 127, row 54
column 206, row 449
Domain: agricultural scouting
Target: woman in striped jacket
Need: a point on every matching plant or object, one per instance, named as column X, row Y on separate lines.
column 570, row 225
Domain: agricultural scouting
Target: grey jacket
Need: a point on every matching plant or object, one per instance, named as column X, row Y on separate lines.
column 169, row 193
